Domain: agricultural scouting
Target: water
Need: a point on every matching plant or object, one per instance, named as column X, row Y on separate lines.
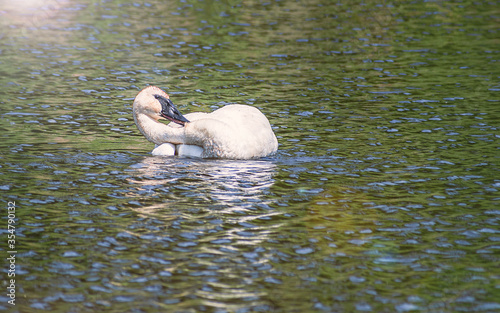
column 383, row 195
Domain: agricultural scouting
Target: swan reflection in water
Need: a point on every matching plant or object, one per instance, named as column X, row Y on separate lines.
column 224, row 185
column 211, row 220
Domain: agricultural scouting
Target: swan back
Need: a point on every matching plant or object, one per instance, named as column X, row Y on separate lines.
column 234, row 131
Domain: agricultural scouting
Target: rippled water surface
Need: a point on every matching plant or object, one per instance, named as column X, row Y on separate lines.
column 383, row 196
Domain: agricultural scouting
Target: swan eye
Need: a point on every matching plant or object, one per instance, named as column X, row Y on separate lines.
column 170, row 112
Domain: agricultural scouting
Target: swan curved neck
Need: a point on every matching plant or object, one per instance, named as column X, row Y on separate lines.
column 158, row 132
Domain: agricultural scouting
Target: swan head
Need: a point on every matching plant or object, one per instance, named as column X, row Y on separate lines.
column 156, row 104
column 169, row 111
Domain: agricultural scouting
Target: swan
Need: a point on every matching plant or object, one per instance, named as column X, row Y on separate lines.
column 234, row 131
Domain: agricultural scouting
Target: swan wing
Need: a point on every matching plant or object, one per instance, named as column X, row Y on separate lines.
column 234, row 131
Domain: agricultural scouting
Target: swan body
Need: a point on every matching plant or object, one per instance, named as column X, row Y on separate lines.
column 234, row 131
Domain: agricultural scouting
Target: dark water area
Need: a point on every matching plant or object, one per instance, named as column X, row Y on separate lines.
column 383, row 196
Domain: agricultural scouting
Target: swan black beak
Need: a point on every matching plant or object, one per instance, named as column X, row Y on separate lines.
column 170, row 112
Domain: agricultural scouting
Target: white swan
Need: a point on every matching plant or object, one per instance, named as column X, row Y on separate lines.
column 234, row 131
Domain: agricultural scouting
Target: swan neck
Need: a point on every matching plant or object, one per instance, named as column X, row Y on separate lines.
column 158, row 132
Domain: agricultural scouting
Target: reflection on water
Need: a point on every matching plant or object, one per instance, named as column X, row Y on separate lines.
column 382, row 197
column 229, row 184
